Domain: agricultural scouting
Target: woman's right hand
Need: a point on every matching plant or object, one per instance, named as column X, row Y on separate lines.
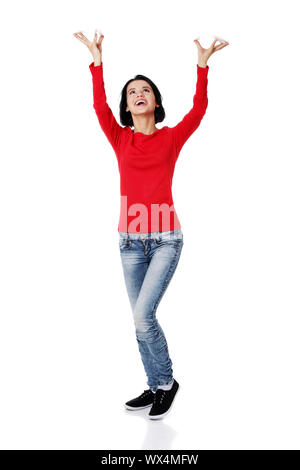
column 95, row 47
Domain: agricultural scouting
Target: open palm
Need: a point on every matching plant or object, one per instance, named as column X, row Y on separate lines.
column 204, row 54
column 94, row 46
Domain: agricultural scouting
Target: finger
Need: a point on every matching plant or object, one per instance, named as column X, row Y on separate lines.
column 213, row 43
column 78, row 36
column 100, row 39
column 85, row 41
column 82, row 36
column 220, row 46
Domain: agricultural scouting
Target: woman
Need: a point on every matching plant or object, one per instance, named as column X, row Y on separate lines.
column 151, row 242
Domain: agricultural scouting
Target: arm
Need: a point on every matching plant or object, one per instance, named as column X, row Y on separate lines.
column 191, row 121
column 183, row 130
column 110, row 127
column 104, row 114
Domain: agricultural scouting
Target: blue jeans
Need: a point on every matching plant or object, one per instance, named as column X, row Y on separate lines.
column 149, row 261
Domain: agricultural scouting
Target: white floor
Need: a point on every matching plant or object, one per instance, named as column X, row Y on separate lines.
column 73, row 410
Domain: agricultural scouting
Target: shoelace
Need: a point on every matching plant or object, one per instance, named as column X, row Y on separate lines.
column 156, row 396
column 145, row 392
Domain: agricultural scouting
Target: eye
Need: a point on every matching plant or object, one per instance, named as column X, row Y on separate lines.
column 146, row 89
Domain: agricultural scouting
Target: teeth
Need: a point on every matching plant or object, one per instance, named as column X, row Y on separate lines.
column 141, row 101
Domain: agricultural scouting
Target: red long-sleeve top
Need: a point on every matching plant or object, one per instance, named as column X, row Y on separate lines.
column 146, row 162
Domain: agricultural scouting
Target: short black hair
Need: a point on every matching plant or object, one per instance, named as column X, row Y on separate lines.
column 125, row 116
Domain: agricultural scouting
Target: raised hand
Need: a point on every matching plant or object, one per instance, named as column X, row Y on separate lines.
column 204, row 54
column 95, row 46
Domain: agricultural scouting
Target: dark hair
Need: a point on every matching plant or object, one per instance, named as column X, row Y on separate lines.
column 125, row 116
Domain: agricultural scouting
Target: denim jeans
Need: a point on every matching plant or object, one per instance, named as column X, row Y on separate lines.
column 149, row 261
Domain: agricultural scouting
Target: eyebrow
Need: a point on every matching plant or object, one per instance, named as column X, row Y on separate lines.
column 134, row 88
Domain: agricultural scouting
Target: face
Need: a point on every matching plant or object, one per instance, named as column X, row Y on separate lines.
column 138, row 90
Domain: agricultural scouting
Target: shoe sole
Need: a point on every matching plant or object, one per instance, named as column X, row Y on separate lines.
column 166, row 412
column 136, row 407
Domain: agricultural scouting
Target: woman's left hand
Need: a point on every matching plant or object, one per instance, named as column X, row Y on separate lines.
column 204, row 54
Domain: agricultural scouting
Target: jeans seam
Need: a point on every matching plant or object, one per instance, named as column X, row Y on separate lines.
column 166, row 279
column 162, row 291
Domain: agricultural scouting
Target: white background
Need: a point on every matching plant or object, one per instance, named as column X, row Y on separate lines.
column 69, row 356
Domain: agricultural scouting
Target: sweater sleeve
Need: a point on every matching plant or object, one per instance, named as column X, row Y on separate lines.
column 191, row 121
column 105, row 116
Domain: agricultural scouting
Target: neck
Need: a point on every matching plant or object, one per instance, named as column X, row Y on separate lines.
column 144, row 126
column 145, row 131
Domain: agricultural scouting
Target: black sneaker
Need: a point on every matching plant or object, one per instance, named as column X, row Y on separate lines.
column 163, row 400
column 143, row 401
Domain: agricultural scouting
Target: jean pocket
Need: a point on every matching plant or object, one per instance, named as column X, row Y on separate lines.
column 124, row 244
column 169, row 241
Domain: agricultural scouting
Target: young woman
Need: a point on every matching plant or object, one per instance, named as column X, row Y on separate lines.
column 151, row 242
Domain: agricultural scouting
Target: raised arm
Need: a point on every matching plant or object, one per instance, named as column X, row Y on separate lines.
column 107, row 121
column 183, row 130
column 105, row 116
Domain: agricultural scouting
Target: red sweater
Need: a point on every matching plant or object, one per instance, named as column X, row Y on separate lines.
column 146, row 162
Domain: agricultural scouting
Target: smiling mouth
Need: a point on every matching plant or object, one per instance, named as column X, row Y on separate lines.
column 141, row 104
